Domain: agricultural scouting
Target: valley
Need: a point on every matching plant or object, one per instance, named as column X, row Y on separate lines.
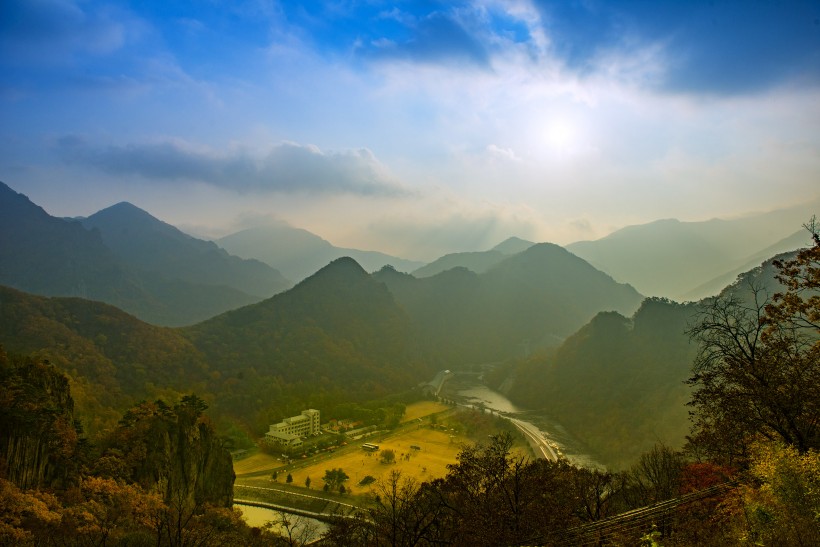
column 605, row 373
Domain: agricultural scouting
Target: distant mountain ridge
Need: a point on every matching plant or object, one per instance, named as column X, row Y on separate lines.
column 51, row 256
column 677, row 260
column 476, row 261
column 147, row 243
column 298, row 253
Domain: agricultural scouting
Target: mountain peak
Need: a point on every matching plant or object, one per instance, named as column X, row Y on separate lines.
column 343, row 269
column 123, row 212
column 513, row 245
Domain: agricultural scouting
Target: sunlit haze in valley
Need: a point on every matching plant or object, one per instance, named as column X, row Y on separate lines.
column 413, row 128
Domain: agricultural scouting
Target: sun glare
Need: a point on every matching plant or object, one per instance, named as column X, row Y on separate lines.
column 560, row 135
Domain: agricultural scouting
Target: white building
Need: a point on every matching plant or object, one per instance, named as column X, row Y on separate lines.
column 295, row 427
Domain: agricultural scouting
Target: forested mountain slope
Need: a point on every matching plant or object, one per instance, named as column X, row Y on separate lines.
column 619, row 383
column 337, row 330
column 531, row 299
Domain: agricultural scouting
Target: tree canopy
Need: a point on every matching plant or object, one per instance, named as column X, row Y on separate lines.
column 757, row 373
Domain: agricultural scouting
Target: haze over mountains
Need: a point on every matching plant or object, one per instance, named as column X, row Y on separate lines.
column 678, row 260
column 298, row 253
column 476, row 261
column 527, row 300
column 591, row 346
column 129, row 259
column 146, row 243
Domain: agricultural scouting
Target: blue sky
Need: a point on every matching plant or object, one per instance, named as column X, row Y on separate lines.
column 415, row 128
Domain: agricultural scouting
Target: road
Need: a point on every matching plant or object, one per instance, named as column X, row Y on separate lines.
column 536, row 440
column 291, row 493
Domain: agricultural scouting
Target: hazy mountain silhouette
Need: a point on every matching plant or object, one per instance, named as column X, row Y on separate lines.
column 298, row 253
column 50, row 256
column 533, row 298
column 477, row 261
column 146, row 243
column 513, row 245
column 670, row 258
column 714, row 286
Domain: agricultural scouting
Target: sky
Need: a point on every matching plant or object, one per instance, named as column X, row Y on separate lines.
column 413, row 128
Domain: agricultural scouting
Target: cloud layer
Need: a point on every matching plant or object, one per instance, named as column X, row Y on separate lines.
column 286, row 167
column 398, row 124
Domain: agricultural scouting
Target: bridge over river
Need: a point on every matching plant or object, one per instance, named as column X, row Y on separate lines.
column 325, row 509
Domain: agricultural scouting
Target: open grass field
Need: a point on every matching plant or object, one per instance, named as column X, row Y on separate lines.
column 422, row 409
column 437, row 449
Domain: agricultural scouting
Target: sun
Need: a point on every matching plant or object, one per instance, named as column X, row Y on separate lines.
column 561, row 135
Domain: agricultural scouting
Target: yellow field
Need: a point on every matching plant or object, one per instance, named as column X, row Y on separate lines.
column 421, row 409
column 437, row 450
column 255, row 463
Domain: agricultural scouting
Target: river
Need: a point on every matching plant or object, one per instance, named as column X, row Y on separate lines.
column 468, row 390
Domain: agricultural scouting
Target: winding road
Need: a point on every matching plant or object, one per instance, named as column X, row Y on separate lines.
column 539, row 444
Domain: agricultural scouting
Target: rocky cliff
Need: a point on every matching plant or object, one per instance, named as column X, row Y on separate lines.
column 173, row 451
column 38, row 435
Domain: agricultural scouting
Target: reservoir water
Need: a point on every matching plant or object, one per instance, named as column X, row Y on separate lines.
column 468, row 390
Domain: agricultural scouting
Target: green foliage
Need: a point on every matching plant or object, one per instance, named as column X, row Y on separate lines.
column 478, row 425
column 335, row 478
column 757, row 372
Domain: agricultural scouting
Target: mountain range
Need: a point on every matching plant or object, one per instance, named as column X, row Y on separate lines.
column 298, row 253
column 527, row 300
column 146, row 243
column 690, row 260
column 581, row 345
column 127, row 258
column 476, row 261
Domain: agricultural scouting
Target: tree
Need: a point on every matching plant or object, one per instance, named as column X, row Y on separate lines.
column 757, row 372
column 289, row 478
column 334, row 478
column 294, row 529
column 387, row 456
column 307, row 482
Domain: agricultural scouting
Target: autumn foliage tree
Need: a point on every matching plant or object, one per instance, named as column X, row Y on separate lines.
column 757, row 373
